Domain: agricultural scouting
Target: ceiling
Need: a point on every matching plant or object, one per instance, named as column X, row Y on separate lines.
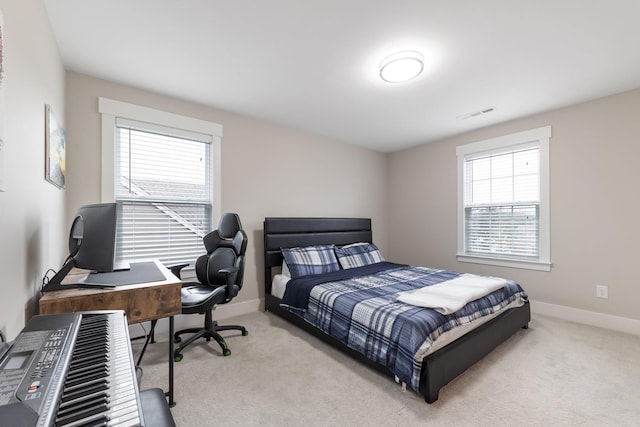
column 312, row 65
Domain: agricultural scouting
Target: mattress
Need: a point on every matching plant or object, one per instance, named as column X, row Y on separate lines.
column 279, row 285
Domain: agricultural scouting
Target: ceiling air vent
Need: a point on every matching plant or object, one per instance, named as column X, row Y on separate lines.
column 476, row 113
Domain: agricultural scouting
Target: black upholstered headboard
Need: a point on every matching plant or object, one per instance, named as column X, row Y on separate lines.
column 281, row 232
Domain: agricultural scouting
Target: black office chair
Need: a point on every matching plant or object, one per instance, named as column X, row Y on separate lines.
column 220, row 273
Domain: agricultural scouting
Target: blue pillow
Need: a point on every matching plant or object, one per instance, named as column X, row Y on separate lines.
column 310, row 260
column 358, row 255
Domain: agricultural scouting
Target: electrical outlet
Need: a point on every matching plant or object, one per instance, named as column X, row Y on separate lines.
column 602, row 291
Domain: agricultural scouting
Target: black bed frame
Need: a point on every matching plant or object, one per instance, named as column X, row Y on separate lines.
column 439, row 367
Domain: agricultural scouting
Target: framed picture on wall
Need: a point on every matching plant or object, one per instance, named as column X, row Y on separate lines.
column 2, row 148
column 55, row 146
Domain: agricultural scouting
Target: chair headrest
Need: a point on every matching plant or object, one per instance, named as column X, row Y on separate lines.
column 229, row 225
column 229, row 234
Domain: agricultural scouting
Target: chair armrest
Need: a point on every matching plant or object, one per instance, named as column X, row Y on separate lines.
column 230, row 275
column 228, row 270
column 175, row 269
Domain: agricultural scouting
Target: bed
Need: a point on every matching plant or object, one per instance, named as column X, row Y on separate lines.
column 439, row 360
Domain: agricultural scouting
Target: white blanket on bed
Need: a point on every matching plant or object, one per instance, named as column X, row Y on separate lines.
column 450, row 296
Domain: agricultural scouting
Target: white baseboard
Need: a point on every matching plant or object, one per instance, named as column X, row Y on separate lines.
column 236, row 309
column 607, row 321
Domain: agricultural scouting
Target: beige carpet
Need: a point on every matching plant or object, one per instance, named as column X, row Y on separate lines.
column 556, row 373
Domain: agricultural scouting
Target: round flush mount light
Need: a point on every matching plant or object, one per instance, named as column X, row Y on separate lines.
column 401, row 66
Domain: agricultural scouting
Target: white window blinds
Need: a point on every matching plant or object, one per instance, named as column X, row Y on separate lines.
column 503, row 200
column 163, row 191
column 501, row 203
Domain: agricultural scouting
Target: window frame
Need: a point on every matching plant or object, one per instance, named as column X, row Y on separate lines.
column 112, row 110
column 541, row 137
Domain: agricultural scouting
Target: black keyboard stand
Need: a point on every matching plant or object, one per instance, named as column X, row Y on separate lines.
column 150, row 337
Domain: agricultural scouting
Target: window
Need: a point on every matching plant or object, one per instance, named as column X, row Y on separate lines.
column 503, row 201
column 163, row 172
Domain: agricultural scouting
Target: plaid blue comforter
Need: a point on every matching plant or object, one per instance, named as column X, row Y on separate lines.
column 358, row 306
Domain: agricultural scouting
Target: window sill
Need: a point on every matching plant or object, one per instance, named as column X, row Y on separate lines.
column 504, row 262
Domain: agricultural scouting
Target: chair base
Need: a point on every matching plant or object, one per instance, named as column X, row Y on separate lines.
column 209, row 331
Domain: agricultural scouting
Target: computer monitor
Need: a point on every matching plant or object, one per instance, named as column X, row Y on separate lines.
column 93, row 237
column 92, row 242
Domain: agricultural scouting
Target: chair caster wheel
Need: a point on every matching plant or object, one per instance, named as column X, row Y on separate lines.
column 245, row 333
column 226, row 352
column 177, row 358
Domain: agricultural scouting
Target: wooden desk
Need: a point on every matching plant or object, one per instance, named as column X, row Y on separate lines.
column 142, row 302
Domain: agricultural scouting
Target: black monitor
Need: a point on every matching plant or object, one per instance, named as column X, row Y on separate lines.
column 92, row 242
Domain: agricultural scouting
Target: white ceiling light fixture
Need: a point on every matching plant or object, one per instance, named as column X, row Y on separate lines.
column 401, row 66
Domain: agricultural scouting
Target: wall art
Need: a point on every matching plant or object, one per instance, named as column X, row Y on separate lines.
column 56, row 141
column 2, row 144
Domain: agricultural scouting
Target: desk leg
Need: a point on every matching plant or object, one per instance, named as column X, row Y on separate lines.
column 172, row 403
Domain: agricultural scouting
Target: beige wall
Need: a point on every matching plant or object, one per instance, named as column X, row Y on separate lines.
column 594, row 175
column 267, row 170
column 31, row 209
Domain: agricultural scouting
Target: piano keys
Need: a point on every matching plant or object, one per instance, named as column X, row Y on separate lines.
column 71, row 369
